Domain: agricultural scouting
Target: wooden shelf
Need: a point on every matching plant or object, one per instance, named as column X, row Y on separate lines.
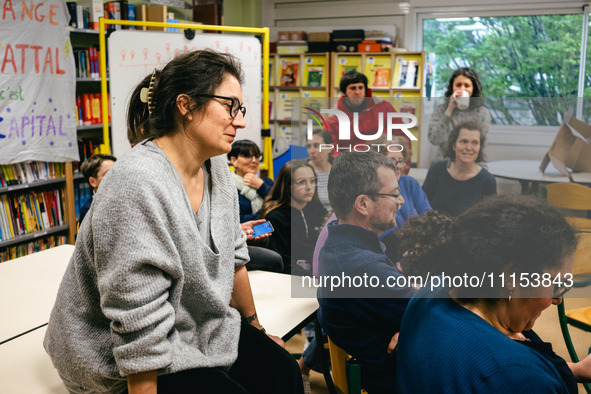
column 27, row 186
column 32, row 236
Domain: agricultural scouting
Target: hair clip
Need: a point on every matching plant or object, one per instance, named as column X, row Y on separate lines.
column 147, row 94
column 144, row 95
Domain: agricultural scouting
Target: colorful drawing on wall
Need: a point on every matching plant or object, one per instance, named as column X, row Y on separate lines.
column 37, row 83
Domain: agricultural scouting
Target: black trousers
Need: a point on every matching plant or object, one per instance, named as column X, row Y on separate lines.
column 262, row 367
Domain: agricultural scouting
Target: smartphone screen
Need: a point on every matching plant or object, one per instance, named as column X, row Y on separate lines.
column 261, row 229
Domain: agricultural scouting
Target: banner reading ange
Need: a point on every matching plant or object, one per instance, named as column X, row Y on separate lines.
column 37, row 83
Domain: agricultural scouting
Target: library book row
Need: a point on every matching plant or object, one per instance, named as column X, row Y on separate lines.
column 86, row 17
column 29, row 172
column 27, row 213
column 15, row 251
column 82, row 17
column 89, row 109
column 87, row 62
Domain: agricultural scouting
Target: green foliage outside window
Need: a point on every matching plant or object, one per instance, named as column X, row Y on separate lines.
column 519, row 60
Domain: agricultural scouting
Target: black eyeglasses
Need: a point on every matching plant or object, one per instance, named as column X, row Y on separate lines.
column 395, row 195
column 400, row 163
column 249, row 156
column 234, row 107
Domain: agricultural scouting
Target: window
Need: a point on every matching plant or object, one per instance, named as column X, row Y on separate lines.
column 528, row 65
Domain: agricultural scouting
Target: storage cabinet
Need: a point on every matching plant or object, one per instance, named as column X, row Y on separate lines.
column 396, row 77
column 294, row 76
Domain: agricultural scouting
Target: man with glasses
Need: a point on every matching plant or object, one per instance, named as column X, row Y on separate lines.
column 363, row 314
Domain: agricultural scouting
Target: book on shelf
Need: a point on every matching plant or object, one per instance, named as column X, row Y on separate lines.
column 408, row 74
column 289, row 72
column 381, row 78
column 378, row 69
column 157, row 13
column 315, row 76
column 141, row 14
column 314, row 71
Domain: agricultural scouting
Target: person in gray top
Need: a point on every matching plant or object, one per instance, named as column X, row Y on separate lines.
column 156, row 297
column 447, row 115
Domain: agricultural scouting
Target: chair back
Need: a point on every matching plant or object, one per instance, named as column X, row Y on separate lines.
column 572, row 196
column 582, row 264
column 338, row 360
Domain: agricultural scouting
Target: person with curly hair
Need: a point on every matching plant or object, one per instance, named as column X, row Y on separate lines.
column 459, row 338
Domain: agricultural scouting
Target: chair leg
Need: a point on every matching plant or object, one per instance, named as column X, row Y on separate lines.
column 354, row 376
column 568, row 341
column 324, row 357
column 565, row 333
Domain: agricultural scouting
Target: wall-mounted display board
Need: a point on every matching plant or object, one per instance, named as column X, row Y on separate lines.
column 135, row 54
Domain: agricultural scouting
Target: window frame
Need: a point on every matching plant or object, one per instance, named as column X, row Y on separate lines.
column 420, row 14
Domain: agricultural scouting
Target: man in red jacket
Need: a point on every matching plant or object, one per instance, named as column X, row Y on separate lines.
column 357, row 98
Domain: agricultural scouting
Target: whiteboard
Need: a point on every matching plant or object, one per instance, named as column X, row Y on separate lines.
column 134, row 54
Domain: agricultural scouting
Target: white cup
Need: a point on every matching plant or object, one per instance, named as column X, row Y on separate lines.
column 463, row 102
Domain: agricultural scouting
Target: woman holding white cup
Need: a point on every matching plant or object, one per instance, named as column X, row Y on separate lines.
column 460, row 107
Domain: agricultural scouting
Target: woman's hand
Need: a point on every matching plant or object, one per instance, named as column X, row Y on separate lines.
column 247, row 229
column 253, row 181
column 277, row 340
column 452, row 102
column 393, row 344
column 582, row 369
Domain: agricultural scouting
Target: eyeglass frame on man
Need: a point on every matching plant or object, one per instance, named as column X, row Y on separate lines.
column 240, row 108
column 395, row 195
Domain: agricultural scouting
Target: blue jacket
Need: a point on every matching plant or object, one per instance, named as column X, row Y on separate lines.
column 415, row 200
column 445, row 348
column 363, row 320
column 246, row 212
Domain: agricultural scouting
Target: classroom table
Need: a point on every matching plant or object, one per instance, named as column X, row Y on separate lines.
column 28, row 287
column 33, row 280
column 279, row 312
column 25, row 367
column 529, row 175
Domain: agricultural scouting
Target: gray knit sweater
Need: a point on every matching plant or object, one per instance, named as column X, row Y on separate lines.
column 143, row 291
column 441, row 125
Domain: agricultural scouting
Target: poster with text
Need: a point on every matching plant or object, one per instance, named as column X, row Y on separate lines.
column 37, row 83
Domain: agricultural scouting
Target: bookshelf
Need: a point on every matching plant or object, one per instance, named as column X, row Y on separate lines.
column 34, row 212
column 89, row 126
column 396, row 77
column 293, row 76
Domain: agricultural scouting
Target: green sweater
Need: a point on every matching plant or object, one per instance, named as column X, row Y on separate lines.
column 143, row 291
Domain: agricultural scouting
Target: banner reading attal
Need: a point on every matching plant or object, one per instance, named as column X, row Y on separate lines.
column 37, row 82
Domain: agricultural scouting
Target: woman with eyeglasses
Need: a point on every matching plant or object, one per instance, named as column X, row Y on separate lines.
column 156, row 297
column 452, row 186
column 245, row 156
column 475, row 335
column 296, row 214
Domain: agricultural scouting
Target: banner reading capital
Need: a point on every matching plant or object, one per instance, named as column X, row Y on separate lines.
column 37, row 82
